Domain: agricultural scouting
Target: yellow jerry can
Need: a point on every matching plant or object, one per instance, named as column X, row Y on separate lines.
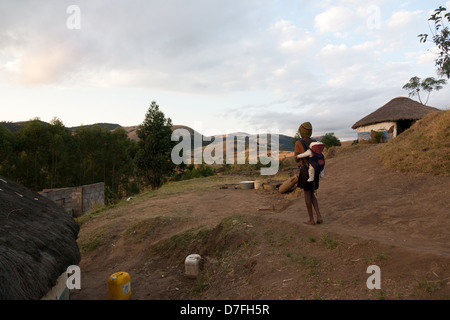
column 119, row 285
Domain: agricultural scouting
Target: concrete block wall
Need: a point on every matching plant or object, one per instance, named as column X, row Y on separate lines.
column 63, row 197
column 93, row 196
column 79, row 200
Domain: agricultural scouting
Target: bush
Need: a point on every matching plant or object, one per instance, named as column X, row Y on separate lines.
column 110, row 196
column 199, row 172
column 330, row 140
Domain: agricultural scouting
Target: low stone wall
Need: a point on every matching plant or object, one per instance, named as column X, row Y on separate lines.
column 93, row 196
column 79, row 200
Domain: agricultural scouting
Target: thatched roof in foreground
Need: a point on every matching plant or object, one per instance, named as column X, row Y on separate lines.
column 400, row 108
column 37, row 242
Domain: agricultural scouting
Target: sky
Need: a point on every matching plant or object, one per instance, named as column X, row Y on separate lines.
column 216, row 66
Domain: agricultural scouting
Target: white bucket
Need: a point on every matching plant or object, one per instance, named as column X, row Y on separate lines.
column 192, row 265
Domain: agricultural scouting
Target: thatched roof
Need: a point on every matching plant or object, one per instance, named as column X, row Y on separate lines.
column 37, row 242
column 400, row 108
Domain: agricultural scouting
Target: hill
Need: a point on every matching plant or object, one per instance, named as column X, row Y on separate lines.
column 285, row 142
column 425, row 147
column 109, row 126
column 16, row 126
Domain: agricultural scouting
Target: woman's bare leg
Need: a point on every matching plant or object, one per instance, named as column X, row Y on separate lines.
column 309, row 205
column 315, row 203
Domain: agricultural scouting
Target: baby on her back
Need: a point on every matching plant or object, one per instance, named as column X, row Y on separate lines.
column 316, row 159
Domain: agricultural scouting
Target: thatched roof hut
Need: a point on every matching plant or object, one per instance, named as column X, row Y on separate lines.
column 393, row 118
column 37, row 242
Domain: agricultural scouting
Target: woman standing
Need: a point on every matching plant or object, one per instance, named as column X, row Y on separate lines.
column 308, row 187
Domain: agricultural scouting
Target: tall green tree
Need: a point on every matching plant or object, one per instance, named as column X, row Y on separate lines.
column 33, row 139
column 120, row 167
column 415, row 85
column 59, row 155
column 153, row 157
column 441, row 38
column 92, row 151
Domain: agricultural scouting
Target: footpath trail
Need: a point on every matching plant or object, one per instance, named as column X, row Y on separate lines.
column 361, row 197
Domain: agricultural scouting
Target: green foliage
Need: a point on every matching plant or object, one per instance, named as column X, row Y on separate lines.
column 329, row 140
column 441, row 38
column 415, row 85
column 7, row 155
column 329, row 242
column 153, row 157
column 106, row 156
column 297, row 137
column 43, row 155
column 201, row 171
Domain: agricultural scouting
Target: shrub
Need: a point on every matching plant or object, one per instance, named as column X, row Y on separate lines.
column 201, row 171
column 330, row 140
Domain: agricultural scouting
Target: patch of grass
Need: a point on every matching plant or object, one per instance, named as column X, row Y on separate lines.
column 430, row 286
column 194, row 185
column 381, row 295
column 311, row 263
column 308, row 261
column 381, row 256
column 423, row 148
column 202, row 284
column 94, row 239
column 147, row 228
column 329, row 242
column 186, row 239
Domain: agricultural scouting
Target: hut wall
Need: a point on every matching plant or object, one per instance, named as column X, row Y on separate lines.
column 59, row 291
column 388, row 129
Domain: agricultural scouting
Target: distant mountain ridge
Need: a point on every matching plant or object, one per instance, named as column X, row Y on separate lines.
column 285, row 142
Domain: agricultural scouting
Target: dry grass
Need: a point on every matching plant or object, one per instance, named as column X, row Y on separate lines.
column 425, row 147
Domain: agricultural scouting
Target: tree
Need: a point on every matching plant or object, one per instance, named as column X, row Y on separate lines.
column 91, row 142
column 415, row 85
column 441, row 38
column 59, row 154
column 120, row 163
column 155, row 145
column 33, row 139
column 329, row 140
column 8, row 156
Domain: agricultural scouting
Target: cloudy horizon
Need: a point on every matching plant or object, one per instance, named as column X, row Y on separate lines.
column 231, row 65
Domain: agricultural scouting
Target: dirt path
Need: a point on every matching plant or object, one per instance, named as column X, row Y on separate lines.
column 361, row 197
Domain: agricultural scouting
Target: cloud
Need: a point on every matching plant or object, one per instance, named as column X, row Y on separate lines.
column 333, row 19
column 175, row 40
column 256, row 63
column 402, row 19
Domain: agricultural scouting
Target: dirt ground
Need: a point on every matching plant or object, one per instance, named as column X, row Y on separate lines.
column 255, row 246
